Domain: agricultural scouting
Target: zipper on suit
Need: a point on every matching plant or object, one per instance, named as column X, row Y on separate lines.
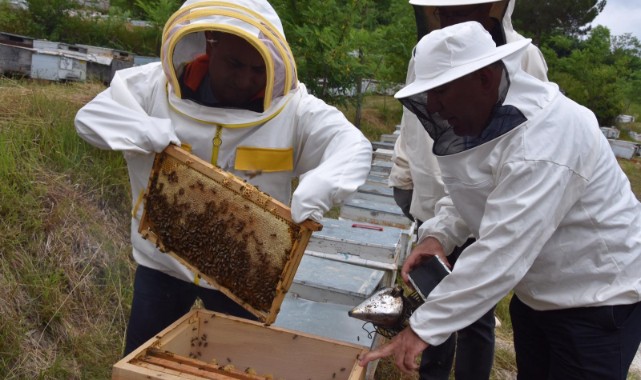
column 217, row 141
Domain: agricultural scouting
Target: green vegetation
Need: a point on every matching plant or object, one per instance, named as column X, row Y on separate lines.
column 65, row 269
column 382, row 116
column 565, row 17
column 46, row 20
column 337, row 44
column 599, row 72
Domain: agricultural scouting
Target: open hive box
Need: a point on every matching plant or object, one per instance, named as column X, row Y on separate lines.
column 208, row 345
column 236, row 237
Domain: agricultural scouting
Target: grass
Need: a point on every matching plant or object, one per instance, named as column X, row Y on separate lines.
column 65, row 269
column 632, row 168
column 380, row 115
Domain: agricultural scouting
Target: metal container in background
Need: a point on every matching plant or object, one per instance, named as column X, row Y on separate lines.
column 57, row 61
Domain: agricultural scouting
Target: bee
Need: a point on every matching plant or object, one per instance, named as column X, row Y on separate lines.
column 253, row 173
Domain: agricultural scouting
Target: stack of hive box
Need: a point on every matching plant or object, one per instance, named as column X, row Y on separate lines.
column 350, row 258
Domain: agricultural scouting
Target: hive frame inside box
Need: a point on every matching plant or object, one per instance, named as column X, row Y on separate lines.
column 211, row 220
column 207, row 345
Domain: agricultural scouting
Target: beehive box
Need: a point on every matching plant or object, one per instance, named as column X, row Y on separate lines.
column 228, row 232
column 324, row 319
column 372, row 243
column 375, row 212
column 326, row 280
column 208, row 345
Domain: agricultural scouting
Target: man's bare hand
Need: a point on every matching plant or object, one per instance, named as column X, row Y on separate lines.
column 405, row 347
column 424, row 250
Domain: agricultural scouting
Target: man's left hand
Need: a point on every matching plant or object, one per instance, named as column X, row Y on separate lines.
column 405, row 347
column 424, row 250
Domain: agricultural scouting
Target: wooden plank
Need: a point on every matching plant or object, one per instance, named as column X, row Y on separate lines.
column 383, row 154
column 381, row 168
column 348, row 237
column 377, row 189
column 376, row 213
column 379, row 340
column 374, row 198
column 389, row 137
column 375, row 180
column 195, row 367
column 382, row 145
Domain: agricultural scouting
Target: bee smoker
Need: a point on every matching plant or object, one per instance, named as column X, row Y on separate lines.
column 388, row 310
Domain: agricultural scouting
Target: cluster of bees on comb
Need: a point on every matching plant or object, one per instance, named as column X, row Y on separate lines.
column 222, row 233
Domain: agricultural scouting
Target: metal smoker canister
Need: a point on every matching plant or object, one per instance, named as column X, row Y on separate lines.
column 388, row 310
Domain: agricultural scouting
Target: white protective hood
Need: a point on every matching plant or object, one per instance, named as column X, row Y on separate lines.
column 255, row 21
column 295, row 136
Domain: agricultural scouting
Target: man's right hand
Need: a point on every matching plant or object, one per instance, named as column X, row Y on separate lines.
column 425, row 250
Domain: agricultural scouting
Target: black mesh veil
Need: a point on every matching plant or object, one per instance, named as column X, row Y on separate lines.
column 446, row 142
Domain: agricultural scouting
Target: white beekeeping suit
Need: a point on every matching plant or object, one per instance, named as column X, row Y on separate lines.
column 533, row 196
column 290, row 134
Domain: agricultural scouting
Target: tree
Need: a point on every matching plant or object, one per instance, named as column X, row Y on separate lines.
column 158, row 11
column 627, row 51
column 540, row 19
column 627, row 44
column 320, row 34
column 127, row 6
column 49, row 16
column 592, row 73
column 338, row 43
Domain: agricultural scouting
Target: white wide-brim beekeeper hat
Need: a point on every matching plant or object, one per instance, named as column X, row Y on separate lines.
column 452, row 52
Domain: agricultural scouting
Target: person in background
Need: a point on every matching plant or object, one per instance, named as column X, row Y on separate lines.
column 530, row 175
column 417, row 184
column 226, row 89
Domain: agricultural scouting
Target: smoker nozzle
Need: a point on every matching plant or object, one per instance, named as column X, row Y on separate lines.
column 383, row 308
column 388, row 310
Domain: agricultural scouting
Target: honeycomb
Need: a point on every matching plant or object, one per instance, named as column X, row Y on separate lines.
column 223, row 228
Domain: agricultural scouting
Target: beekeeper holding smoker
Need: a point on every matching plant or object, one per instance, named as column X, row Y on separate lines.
column 532, row 178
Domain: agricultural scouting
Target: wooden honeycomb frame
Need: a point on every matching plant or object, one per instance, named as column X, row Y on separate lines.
column 225, row 230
